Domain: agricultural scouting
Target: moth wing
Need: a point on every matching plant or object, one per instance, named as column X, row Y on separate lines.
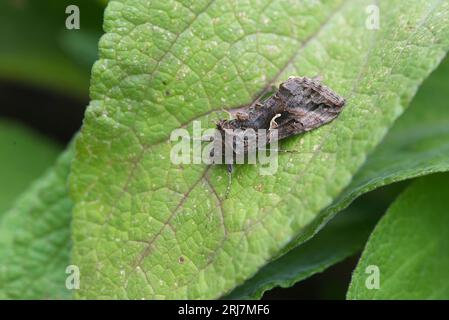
column 308, row 105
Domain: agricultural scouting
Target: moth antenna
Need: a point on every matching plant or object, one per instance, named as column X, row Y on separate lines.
column 318, row 77
column 282, row 150
column 228, row 188
column 228, row 112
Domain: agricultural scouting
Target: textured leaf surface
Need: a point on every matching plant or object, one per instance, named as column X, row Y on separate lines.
column 35, row 239
column 410, row 246
column 145, row 228
column 320, row 253
column 417, row 144
column 17, row 146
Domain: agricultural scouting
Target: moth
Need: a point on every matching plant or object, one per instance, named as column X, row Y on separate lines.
column 300, row 104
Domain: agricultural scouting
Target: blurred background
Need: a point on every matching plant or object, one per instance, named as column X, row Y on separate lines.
column 44, row 67
column 44, row 89
column 44, row 85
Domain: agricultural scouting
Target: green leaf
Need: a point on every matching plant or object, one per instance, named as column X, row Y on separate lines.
column 146, row 228
column 409, row 246
column 340, row 238
column 35, row 239
column 416, row 145
column 42, row 51
column 320, row 253
column 17, row 146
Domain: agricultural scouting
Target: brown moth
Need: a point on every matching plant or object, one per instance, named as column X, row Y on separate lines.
column 299, row 105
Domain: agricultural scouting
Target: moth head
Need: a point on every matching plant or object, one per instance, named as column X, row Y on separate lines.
column 219, row 124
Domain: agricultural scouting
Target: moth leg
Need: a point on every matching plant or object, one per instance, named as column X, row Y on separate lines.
column 228, row 188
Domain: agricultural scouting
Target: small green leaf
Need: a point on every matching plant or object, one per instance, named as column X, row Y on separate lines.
column 409, row 247
column 35, row 239
column 17, row 146
column 146, row 228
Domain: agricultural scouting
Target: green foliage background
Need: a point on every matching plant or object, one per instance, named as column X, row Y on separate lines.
column 141, row 227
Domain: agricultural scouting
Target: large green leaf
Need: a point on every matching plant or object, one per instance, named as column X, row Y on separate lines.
column 35, row 239
column 418, row 144
column 17, row 146
column 319, row 253
column 409, row 246
column 145, row 228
